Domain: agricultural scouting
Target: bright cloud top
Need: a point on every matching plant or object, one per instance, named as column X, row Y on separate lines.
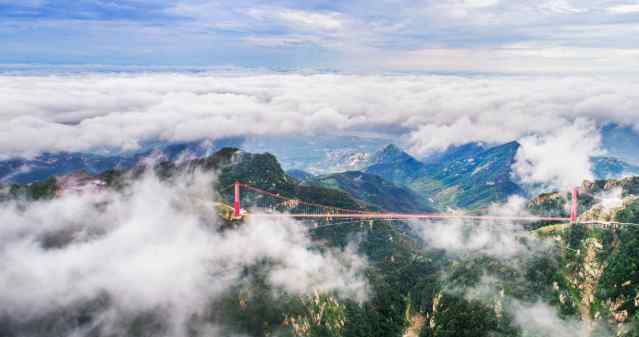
column 561, row 158
column 82, row 112
column 90, row 111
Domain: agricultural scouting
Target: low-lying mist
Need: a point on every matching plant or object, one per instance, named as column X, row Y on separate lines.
column 154, row 247
column 505, row 256
column 498, row 239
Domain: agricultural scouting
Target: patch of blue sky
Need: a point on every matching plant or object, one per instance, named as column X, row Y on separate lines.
column 515, row 36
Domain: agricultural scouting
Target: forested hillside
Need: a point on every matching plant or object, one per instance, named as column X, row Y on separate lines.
column 374, row 191
column 466, row 177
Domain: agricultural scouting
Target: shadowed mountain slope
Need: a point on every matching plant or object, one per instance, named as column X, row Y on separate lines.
column 374, row 190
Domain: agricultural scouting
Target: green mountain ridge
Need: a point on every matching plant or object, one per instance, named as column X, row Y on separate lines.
column 375, row 191
column 464, row 181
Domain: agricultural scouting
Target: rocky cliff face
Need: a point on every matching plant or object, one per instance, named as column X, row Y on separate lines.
column 599, row 266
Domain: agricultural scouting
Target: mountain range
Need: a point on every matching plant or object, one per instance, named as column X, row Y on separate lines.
column 469, row 176
column 43, row 166
column 573, row 276
column 373, row 190
column 318, row 154
column 459, row 178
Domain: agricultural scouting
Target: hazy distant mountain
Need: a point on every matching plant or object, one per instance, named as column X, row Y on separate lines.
column 315, row 155
column 455, row 152
column 318, row 154
column 54, row 164
column 299, row 174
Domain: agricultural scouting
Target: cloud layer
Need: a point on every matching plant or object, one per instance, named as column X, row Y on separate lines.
column 559, row 159
column 79, row 112
column 88, row 111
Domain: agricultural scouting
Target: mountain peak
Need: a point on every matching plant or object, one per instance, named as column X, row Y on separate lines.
column 514, row 144
column 392, row 147
column 510, row 147
column 391, row 154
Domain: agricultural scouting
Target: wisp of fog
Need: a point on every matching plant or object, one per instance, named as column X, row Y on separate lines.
column 156, row 245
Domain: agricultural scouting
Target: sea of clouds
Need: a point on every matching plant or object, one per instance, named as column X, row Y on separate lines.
column 557, row 120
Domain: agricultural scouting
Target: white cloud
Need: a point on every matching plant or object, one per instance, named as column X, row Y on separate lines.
column 280, row 41
column 154, row 246
column 461, row 238
column 310, row 20
column 560, row 159
column 455, row 35
column 610, row 200
column 480, row 3
column 624, row 9
column 512, row 245
column 438, row 137
column 87, row 111
column 497, row 239
column 540, row 58
column 560, row 7
column 543, row 320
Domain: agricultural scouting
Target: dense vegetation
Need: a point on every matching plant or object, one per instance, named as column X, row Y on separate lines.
column 412, row 280
column 35, row 191
column 374, row 191
column 467, row 177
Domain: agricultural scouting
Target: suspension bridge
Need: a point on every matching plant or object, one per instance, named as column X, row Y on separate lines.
column 268, row 204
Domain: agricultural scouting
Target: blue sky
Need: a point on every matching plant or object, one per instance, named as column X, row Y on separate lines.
column 493, row 36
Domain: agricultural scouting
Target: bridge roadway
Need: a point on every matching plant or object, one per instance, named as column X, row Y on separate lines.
column 318, row 211
column 410, row 216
